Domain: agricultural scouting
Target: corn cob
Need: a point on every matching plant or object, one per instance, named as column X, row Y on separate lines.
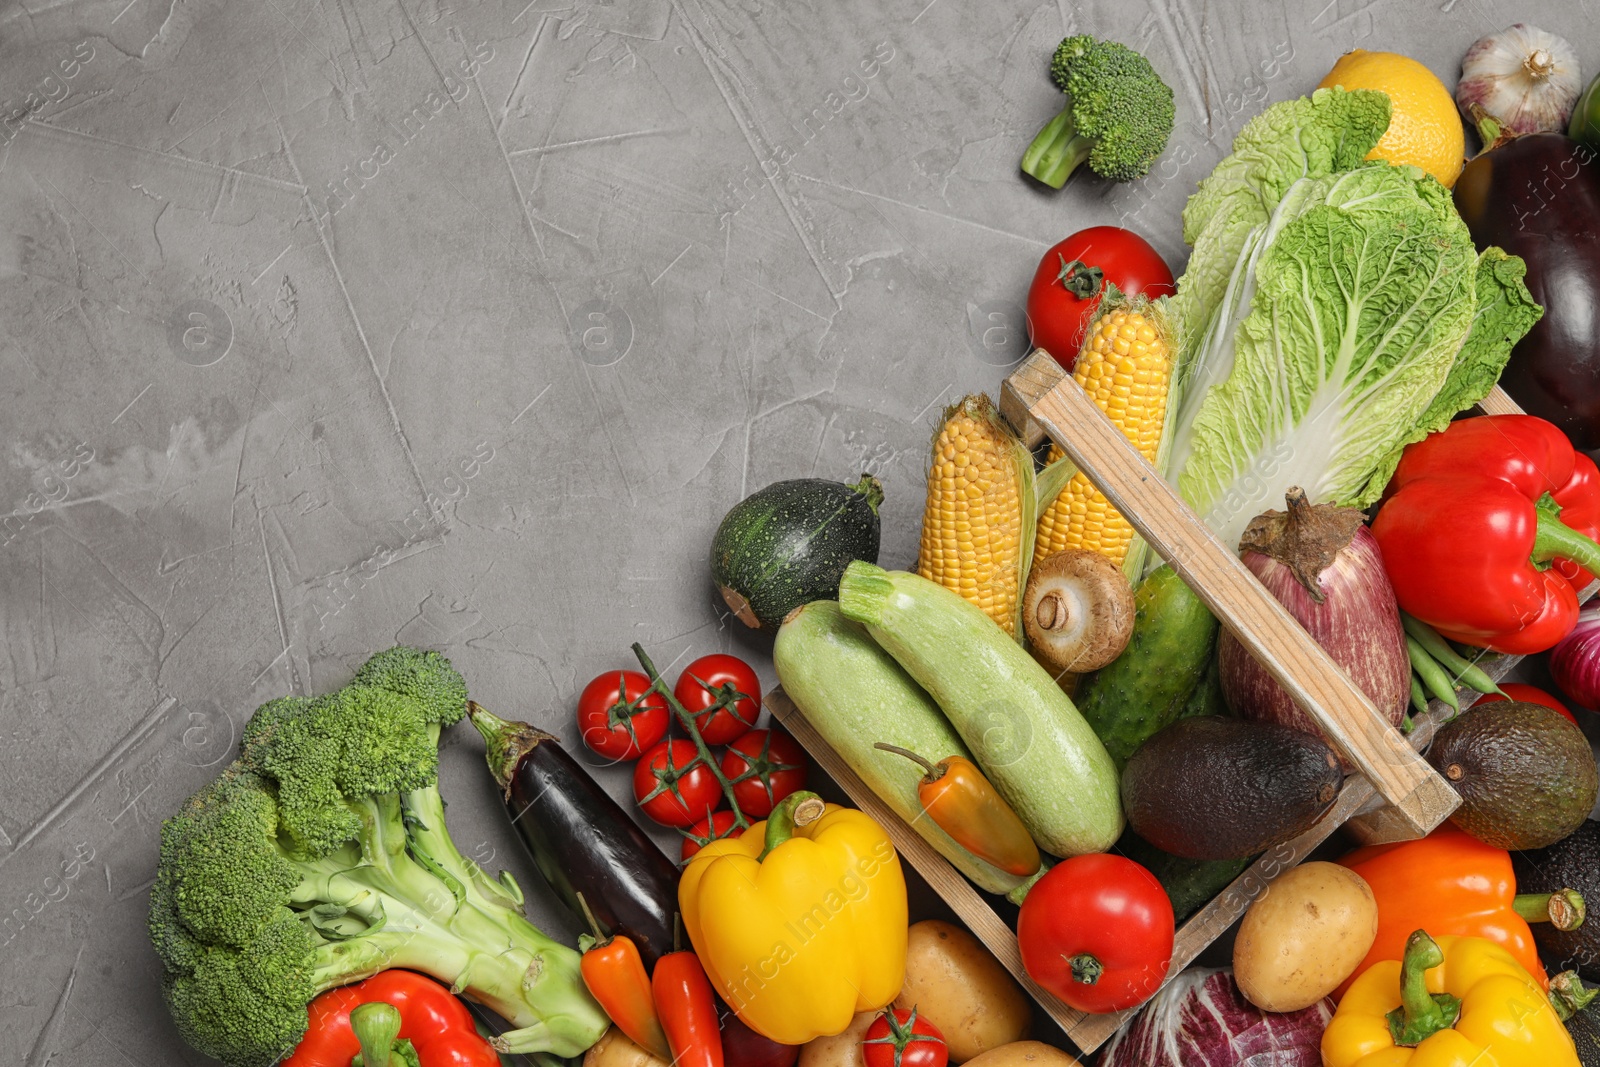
column 1125, row 366
column 977, row 529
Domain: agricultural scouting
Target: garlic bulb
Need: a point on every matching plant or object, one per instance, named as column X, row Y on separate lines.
column 1522, row 78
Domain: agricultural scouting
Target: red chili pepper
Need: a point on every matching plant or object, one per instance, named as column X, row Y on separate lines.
column 688, row 1010
column 1472, row 521
column 614, row 972
column 391, row 1009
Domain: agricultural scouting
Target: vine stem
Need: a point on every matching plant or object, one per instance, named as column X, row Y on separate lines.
column 686, row 721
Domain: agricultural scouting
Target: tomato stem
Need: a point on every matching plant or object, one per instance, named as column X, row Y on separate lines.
column 1086, row 970
column 690, row 728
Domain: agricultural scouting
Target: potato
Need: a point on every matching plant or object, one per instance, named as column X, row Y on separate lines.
column 615, row 1050
column 840, row 1050
column 1306, row 933
column 1024, row 1054
column 954, row 983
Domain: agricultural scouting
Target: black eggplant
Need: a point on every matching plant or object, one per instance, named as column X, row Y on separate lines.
column 580, row 839
column 1538, row 197
column 1571, row 863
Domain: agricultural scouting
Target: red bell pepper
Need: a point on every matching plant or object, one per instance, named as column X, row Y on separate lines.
column 1487, row 528
column 405, row 1017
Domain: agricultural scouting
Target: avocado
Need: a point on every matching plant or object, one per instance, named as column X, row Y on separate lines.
column 1571, row 863
column 1215, row 788
column 1526, row 775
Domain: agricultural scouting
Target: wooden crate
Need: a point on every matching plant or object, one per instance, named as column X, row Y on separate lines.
column 1394, row 795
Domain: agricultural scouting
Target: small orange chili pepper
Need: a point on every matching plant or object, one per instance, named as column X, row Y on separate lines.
column 614, row 972
column 961, row 802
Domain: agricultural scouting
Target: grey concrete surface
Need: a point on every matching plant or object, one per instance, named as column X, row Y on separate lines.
column 329, row 324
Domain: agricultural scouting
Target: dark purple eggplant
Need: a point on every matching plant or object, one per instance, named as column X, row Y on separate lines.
column 1538, row 197
column 580, row 839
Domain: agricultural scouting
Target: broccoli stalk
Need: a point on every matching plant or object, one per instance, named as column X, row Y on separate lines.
column 1118, row 116
column 297, row 871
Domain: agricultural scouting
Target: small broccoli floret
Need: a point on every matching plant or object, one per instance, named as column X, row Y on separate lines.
column 321, row 857
column 425, row 677
column 1118, row 117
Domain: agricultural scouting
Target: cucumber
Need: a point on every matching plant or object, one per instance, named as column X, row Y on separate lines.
column 1206, row 697
column 1144, row 689
column 1023, row 730
column 854, row 694
column 1190, row 884
column 788, row 544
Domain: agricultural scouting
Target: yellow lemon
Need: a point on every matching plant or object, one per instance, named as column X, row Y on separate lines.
column 1424, row 129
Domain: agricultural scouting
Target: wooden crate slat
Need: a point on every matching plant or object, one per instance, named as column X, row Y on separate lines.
column 1420, row 797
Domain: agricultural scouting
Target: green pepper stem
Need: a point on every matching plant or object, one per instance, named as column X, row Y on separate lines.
column 934, row 772
column 1556, row 540
column 376, row 1025
column 1421, row 1014
column 1568, row 996
column 1564, row 909
column 792, row 812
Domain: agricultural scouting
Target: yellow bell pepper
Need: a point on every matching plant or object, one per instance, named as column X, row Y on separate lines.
column 801, row 922
column 1457, row 1002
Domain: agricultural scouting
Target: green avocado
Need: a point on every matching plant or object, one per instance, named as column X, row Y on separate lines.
column 1526, row 775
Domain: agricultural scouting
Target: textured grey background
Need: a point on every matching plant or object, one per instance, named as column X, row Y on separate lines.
column 327, row 324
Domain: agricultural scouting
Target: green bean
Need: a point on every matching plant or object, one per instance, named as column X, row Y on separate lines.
column 1419, row 700
column 1433, row 675
column 1461, row 670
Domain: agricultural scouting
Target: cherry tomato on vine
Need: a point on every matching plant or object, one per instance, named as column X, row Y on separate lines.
column 713, row 827
column 673, row 787
column 617, row 718
column 1528, row 694
column 1067, row 286
column 900, row 1038
column 1097, row 932
column 764, row 766
column 716, row 676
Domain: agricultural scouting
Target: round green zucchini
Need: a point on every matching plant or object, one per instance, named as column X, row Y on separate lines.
column 788, row 544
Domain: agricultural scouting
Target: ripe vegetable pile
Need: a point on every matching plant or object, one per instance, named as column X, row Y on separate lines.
column 1048, row 706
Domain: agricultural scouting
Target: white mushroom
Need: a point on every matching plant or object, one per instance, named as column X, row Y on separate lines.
column 1078, row 611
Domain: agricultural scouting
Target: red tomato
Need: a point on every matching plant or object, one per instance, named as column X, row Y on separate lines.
column 1066, row 288
column 1097, row 932
column 617, row 718
column 764, row 766
column 715, row 677
column 713, row 827
column 900, row 1038
column 1528, row 694
column 673, row 787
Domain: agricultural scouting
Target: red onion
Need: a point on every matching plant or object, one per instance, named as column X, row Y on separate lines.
column 1202, row 1020
column 1575, row 661
column 1322, row 564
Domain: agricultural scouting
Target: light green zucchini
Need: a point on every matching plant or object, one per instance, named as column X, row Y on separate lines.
column 1024, row 731
column 854, row 694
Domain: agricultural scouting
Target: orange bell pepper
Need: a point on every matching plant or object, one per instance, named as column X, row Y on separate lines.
column 1453, row 884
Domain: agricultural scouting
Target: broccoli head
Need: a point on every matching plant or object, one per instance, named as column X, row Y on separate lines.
column 320, row 857
column 1118, row 116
